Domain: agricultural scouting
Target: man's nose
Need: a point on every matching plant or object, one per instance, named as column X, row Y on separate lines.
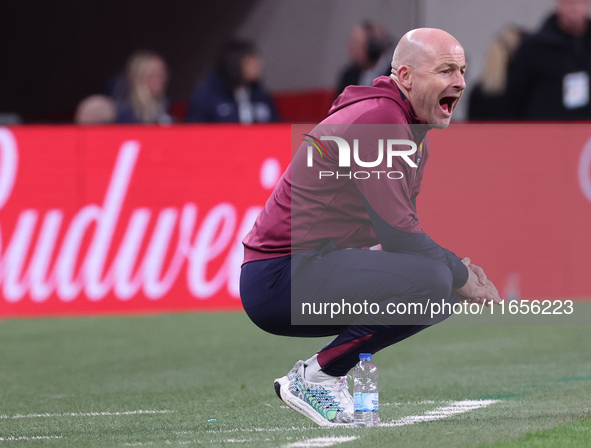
column 460, row 82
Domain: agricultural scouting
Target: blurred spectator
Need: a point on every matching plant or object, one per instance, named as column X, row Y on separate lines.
column 118, row 87
column 488, row 101
column 96, row 109
column 549, row 76
column 10, row 119
column 370, row 49
column 146, row 102
column 233, row 92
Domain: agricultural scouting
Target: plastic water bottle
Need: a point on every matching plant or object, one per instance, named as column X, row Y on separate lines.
column 365, row 392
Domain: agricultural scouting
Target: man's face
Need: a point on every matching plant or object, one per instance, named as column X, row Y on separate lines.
column 438, row 84
column 252, row 68
column 572, row 15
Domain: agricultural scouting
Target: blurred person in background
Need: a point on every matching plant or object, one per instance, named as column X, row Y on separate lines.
column 118, row 88
column 233, row 93
column 96, row 109
column 370, row 49
column 549, row 75
column 146, row 102
column 488, row 101
column 10, row 119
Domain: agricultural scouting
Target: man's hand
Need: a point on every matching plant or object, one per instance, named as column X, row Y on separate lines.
column 478, row 288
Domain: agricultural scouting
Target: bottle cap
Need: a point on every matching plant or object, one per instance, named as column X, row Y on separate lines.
column 365, row 356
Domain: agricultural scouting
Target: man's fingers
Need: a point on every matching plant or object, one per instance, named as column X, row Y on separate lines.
column 485, row 293
column 492, row 295
column 480, row 300
column 479, row 273
column 488, row 293
column 492, row 287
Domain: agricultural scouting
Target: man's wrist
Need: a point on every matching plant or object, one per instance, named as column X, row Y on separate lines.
column 460, row 275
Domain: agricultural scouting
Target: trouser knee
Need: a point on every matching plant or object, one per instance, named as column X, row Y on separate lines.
column 437, row 281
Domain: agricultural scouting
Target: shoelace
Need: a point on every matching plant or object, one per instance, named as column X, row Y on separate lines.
column 323, row 397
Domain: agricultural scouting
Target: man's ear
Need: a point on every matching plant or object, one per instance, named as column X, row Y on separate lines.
column 405, row 76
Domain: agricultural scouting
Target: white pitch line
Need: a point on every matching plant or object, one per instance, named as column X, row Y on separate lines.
column 198, row 442
column 319, row 442
column 241, row 440
column 271, row 429
column 455, row 408
column 414, row 403
column 303, row 428
column 12, row 438
column 85, row 414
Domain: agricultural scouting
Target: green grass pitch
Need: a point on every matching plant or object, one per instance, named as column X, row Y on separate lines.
column 205, row 380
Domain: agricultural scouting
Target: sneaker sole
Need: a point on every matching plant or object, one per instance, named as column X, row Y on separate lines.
column 282, row 391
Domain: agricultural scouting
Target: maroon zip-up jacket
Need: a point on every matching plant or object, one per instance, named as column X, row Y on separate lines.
column 306, row 207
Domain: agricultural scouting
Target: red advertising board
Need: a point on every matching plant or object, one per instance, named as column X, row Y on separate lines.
column 516, row 199
column 144, row 219
column 122, row 219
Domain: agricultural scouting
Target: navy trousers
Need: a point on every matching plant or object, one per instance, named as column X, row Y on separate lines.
column 328, row 274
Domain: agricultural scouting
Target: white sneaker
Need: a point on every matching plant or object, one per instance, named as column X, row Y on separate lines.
column 287, row 378
column 328, row 403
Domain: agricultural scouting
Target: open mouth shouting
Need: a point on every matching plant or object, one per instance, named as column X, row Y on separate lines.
column 448, row 103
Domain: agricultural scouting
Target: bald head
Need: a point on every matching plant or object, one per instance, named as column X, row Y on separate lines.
column 428, row 66
column 420, row 45
column 96, row 109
